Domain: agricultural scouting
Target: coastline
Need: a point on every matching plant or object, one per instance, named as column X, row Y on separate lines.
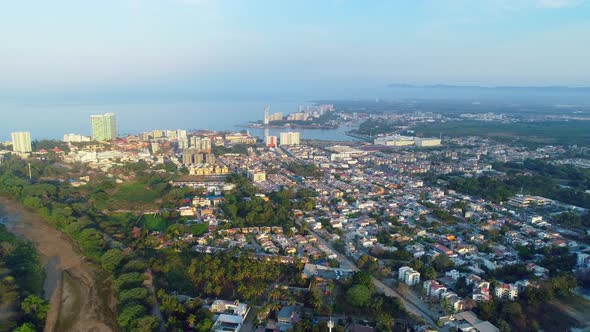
column 362, row 137
column 287, row 126
column 81, row 295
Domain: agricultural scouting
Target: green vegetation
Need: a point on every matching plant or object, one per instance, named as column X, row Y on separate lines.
column 360, row 297
column 243, row 208
column 135, row 192
column 225, row 274
column 529, row 312
column 184, row 315
column 546, row 132
column 498, row 189
column 154, row 222
column 573, row 220
column 231, row 274
column 21, row 285
column 49, row 145
column 575, row 177
column 374, row 127
column 220, row 150
column 304, row 170
column 75, row 212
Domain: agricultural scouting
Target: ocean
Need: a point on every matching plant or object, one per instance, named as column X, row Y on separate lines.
column 53, row 120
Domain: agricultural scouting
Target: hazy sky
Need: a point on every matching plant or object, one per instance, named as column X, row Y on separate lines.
column 305, row 47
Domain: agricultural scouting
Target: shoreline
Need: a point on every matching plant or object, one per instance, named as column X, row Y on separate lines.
column 80, row 294
column 294, row 126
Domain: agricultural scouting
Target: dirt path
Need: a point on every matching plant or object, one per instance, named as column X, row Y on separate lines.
column 81, row 295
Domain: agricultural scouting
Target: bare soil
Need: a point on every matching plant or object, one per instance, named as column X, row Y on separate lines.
column 81, row 295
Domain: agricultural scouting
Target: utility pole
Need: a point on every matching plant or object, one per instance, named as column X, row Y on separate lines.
column 30, row 175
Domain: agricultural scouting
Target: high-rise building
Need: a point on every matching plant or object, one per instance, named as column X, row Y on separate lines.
column 202, row 144
column 181, row 134
column 278, row 116
column 21, row 142
column 271, row 141
column 289, row 138
column 298, row 116
column 171, row 134
column 104, row 127
column 194, row 156
column 266, row 115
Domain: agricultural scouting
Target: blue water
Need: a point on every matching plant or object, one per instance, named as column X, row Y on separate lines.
column 53, row 120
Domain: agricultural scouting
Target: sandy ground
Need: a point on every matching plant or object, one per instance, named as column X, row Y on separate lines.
column 81, row 295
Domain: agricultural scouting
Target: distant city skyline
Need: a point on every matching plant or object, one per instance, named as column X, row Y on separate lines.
column 174, row 49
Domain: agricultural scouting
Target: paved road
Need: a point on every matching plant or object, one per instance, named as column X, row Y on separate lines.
column 417, row 308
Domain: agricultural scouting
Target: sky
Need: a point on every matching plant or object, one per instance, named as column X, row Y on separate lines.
column 167, row 49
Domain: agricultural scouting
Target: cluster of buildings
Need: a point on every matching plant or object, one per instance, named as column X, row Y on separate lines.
column 399, row 140
column 368, row 198
column 286, row 138
column 358, row 181
column 305, row 113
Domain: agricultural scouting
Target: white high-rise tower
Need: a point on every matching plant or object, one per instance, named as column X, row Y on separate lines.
column 104, row 127
column 21, row 142
column 266, row 115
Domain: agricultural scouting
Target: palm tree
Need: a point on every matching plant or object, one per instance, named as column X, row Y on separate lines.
column 191, row 320
column 274, row 306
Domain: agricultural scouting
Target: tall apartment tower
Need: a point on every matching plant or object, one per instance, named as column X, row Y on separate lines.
column 266, row 115
column 202, row 144
column 21, row 142
column 104, row 127
column 289, row 138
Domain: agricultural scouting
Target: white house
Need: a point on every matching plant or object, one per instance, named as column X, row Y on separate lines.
column 408, row 275
column 506, row 291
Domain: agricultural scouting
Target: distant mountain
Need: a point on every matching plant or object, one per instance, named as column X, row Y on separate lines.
column 493, row 88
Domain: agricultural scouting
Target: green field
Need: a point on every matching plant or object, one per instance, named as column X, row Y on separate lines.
column 154, row 222
column 551, row 132
column 199, row 229
column 135, row 192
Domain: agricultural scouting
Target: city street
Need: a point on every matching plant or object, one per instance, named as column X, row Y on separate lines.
column 412, row 306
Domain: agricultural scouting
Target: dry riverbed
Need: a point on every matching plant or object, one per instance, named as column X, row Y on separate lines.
column 81, row 295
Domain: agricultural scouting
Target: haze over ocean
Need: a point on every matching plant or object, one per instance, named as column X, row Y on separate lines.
column 61, row 115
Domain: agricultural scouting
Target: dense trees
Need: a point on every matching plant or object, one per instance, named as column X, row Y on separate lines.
column 373, row 127
column 184, row 315
column 358, row 295
column 304, row 170
column 576, row 176
column 111, row 259
column 21, row 284
column 544, row 183
column 236, row 148
column 243, row 276
column 529, row 312
column 573, row 220
column 243, row 208
column 368, row 263
column 74, row 211
column 442, row 263
column 35, row 309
